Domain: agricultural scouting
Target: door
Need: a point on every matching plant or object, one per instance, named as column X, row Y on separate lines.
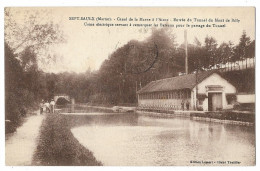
column 214, row 101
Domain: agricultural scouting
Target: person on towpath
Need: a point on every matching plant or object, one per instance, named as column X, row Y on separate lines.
column 47, row 107
column 52, row 105
column 41, row 106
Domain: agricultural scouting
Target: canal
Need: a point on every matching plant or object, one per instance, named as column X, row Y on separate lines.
column 128, row 139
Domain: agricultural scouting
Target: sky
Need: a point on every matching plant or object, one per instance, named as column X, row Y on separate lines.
column 88, row 46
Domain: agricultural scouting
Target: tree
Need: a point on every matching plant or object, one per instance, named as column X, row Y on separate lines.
column 225, row 52
column 210, row 57
column 242, row 50
column 13, row 87
column 28, row 59
column 36, row 30
column 135, row 63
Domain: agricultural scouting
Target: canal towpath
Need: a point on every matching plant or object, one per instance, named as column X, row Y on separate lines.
column 20, row 147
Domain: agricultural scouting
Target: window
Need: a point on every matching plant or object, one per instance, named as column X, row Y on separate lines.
column 188, row 94
column 182, row 94
column 174, row 95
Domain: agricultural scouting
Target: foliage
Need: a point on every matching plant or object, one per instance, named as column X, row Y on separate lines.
column 25, row 44
column 13, row 86
column 37, row 29
column 22, row 86
column 116, row 81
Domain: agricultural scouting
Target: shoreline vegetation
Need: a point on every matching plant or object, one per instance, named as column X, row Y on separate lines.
column 225, row 118
column 58, row 147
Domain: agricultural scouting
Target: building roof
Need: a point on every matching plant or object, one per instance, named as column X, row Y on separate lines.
column 176, row 83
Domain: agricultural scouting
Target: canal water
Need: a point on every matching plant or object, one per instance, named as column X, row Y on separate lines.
column 128, row 139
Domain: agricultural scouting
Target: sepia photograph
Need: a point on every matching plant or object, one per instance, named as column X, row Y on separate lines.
column 129, row 86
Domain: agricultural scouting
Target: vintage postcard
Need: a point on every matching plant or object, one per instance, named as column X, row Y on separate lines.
column 129, row 86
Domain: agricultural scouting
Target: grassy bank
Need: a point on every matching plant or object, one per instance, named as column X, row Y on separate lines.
column 228, row 115
column 58, row 147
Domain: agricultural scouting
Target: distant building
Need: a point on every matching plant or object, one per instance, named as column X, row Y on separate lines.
column 214, row 92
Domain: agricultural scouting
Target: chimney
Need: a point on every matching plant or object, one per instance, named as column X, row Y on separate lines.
column 186, row 51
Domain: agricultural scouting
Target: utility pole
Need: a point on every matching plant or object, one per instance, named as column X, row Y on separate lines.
column 186, row 52
column 196, row 100
column 136, row 89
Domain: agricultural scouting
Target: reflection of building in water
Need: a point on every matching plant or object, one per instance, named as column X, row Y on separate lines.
column 222, row 136
column 207, row 91
column 193, row 131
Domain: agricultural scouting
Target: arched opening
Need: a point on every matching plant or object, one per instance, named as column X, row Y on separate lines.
column 62, row 101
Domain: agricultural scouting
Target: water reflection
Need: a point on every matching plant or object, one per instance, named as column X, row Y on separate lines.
column 129, row 139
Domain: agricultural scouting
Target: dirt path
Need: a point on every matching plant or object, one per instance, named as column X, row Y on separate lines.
column 20, row 147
